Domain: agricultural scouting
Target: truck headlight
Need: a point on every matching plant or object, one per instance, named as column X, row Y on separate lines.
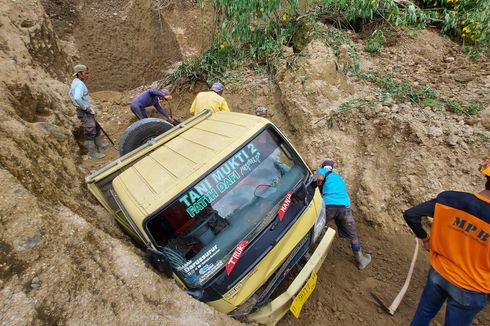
column 319, row 223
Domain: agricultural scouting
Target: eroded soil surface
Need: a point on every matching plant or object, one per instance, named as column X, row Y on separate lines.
column 63, row 260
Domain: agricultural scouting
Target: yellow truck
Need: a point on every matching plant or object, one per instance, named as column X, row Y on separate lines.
column 225, row 205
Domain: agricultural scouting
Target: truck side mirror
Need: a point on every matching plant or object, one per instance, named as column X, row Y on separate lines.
column 159, row 261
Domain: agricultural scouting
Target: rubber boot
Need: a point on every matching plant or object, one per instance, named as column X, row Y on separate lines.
column 100, row 144
column 361, row 259
column 92, row 149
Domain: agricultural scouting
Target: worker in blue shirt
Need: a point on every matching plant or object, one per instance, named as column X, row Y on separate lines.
column 85, row 112
column 337, row 204
column 150, row 97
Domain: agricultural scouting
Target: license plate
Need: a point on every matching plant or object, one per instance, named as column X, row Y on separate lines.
column 303, row 295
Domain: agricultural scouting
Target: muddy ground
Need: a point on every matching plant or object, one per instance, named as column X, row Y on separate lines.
column 63, row 260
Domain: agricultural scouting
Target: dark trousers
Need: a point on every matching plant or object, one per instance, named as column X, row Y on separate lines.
column 461, row 305
column 344, row 220
column 139, row 111
column 90, row 127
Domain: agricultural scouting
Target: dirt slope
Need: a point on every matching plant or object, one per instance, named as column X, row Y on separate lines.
column 130, row 43
column 64, row 261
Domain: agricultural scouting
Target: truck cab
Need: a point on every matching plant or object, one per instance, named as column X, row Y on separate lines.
column 225, row 205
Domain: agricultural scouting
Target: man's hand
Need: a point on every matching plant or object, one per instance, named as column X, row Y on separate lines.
column 90, row 110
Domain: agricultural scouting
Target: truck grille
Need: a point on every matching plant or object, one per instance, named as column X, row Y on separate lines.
column 268, row 289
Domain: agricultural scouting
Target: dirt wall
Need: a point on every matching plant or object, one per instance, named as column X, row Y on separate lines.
column 62, row 258
column 129, row 43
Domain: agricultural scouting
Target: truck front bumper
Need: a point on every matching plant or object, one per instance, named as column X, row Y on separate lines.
column 271, row 313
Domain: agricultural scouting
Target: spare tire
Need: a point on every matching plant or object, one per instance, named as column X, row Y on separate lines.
column 141, row 132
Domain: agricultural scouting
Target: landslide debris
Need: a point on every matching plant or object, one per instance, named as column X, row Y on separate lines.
column 63, row 260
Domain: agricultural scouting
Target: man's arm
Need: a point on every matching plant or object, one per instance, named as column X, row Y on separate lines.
column 161, row 110
column 193, row 107
column 156, row 92
column 77, row 96
column 224, row 106
column 413, row 217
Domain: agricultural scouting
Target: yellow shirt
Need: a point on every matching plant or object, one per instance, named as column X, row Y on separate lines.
column 208, row 100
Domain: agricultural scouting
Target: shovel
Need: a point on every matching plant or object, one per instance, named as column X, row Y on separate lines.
column 105, row 133
column 174, row 122
column 396, row 302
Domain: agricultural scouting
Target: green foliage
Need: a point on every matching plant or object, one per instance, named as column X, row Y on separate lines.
column 245, row 30
column 344, row 107
column 424, row 95
column 210, row 66
column 475, row 107
column 419, row 94
column 474, row 51
column 468, row 19
column 254, row 30
column 454, row 106
column 401, row 92
column 397, row 90
column 358, row 12
column 471, row 108
column 375, row 42
column 433, row 102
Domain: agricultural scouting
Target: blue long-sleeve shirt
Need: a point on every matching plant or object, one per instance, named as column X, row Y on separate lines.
column 79, row 94
column 334, row 191
column 150, row 98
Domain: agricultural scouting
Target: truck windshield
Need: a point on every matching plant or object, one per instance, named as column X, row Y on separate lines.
column 210, row 222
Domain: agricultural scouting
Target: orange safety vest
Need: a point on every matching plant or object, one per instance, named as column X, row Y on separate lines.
column 460, row 240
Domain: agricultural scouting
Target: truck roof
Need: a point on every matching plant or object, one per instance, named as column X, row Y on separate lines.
column 179, row 162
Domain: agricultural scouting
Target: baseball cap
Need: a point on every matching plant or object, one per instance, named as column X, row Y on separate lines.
column 217, row 87
column 260, row 110
column 327, row 164
column 79, row 68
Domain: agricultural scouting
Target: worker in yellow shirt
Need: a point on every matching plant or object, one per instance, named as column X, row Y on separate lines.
column 211, row 99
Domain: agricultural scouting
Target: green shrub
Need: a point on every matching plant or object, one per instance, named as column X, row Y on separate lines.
column 210, row 66
column 254, row 30
column 375, row 42
column 468, row 19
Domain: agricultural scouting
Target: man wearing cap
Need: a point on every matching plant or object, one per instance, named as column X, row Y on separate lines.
column 337, row 204
column 459, row 247
column 85, row 112
column 211, row 99
column 262, row 111
column 150, row 97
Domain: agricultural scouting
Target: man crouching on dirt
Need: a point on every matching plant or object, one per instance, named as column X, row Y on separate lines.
column 85, row 112
column 459, row 249
column 337, row 204
column 151, row 97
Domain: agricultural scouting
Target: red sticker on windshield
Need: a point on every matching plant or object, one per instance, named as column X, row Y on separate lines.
column 285, row 206
column 240, row 248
